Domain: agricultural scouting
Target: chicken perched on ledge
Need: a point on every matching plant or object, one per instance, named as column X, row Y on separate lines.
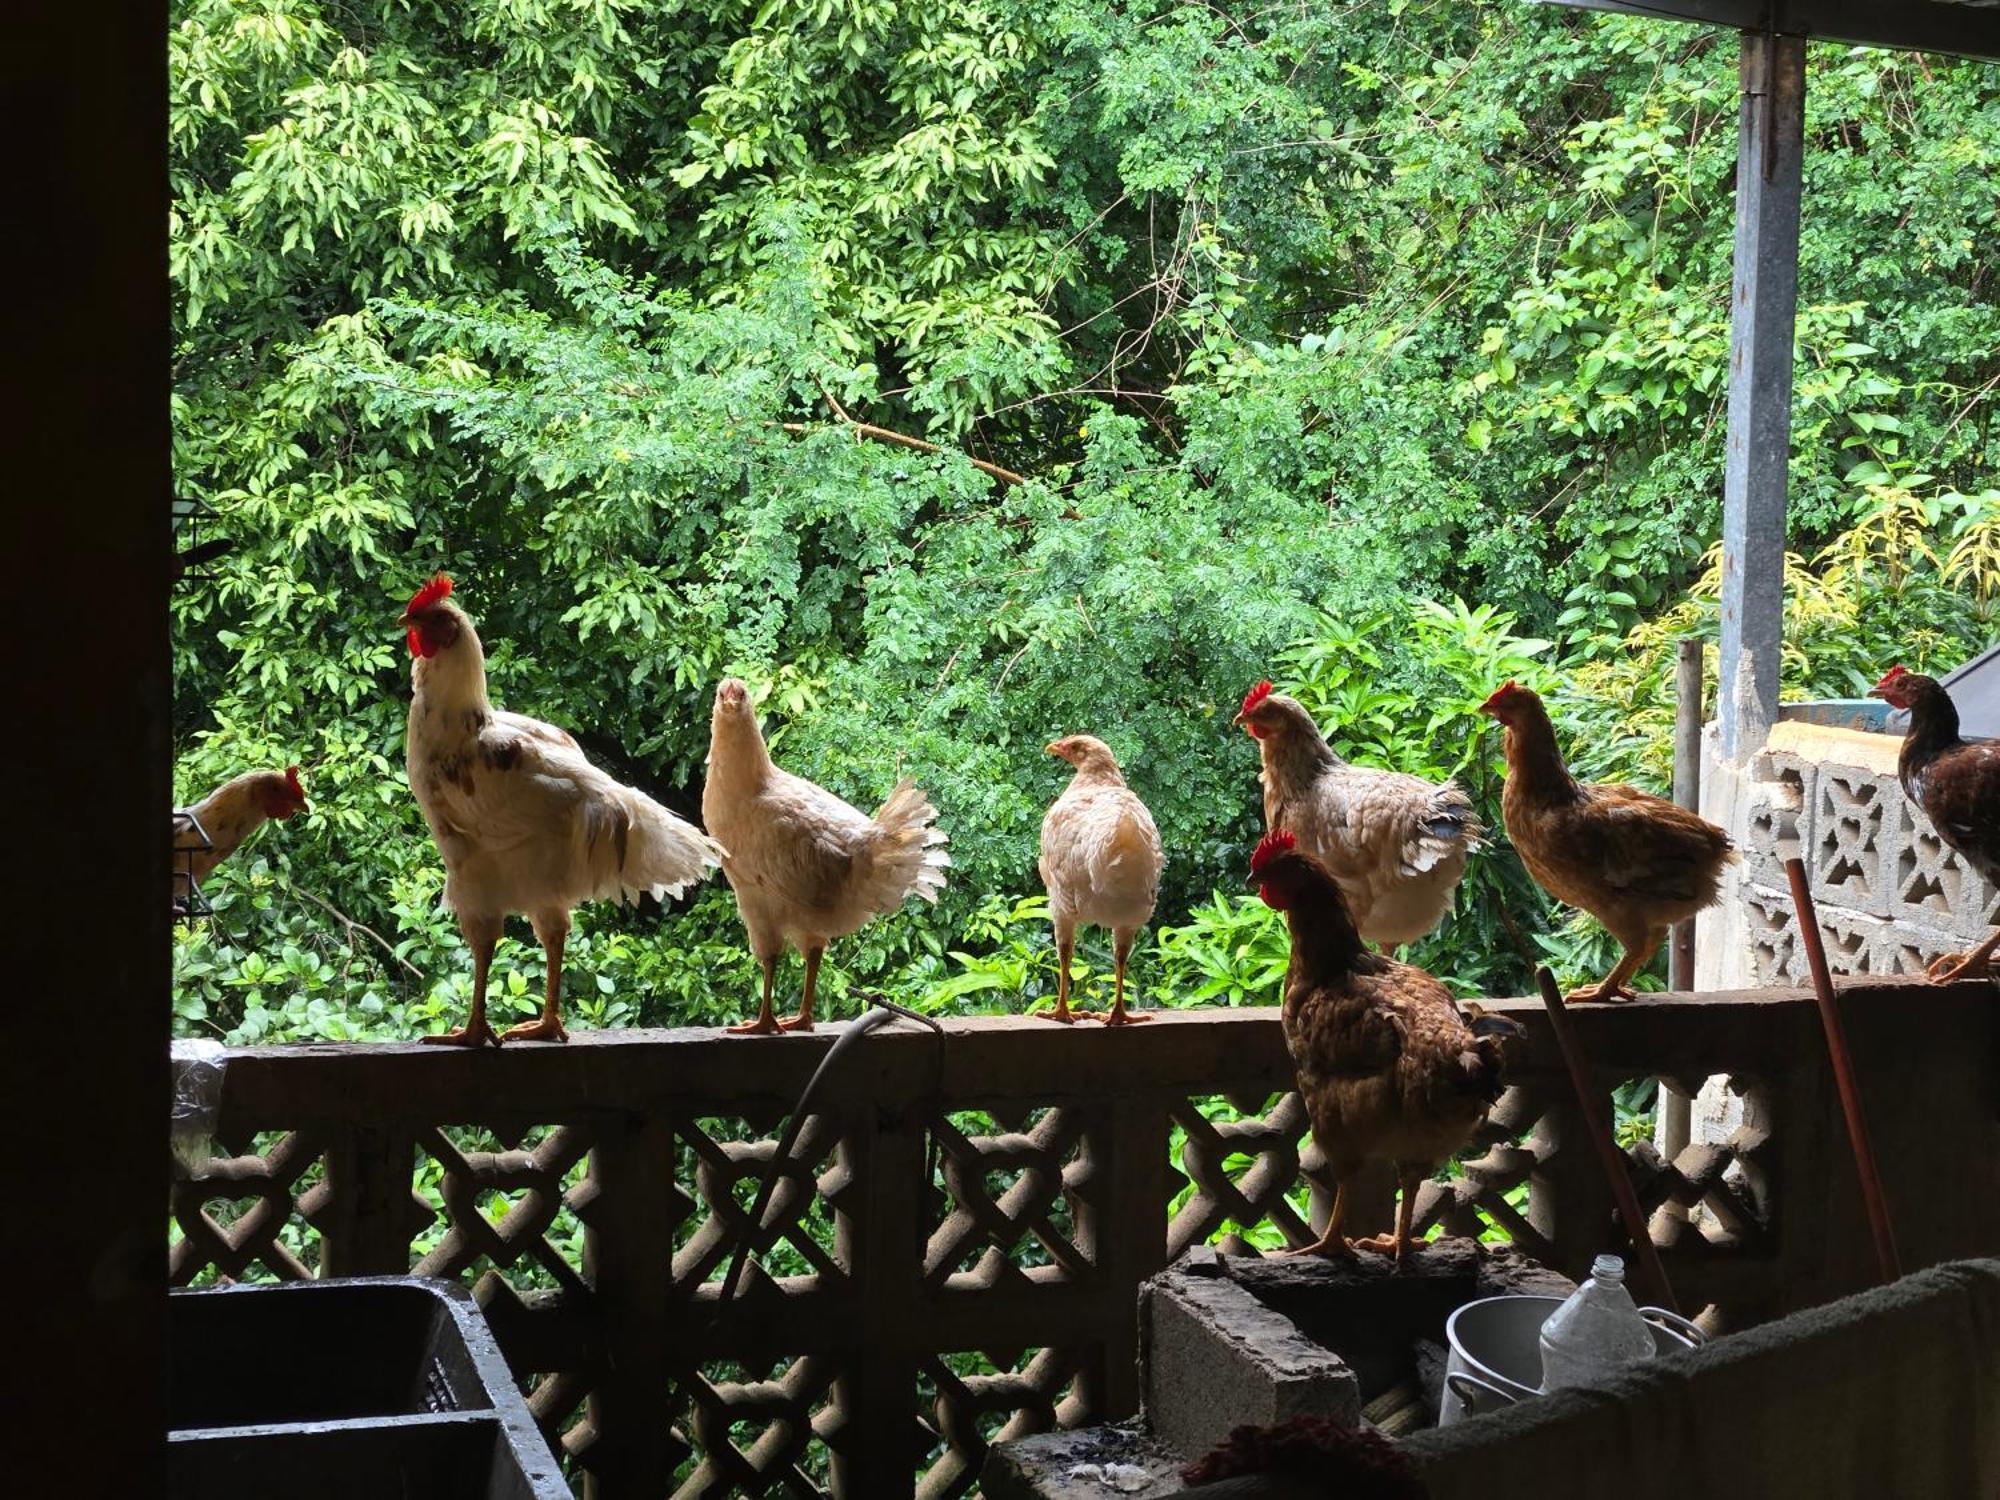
column 229, row 815
column 1634, row 861
column 1388, row 1066
column 1397, row 844
column 1101, row 864
column 806, row 867
column 1957, row 784
column 525, row 823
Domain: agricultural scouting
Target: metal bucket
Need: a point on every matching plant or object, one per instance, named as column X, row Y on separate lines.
column 1496, row 1351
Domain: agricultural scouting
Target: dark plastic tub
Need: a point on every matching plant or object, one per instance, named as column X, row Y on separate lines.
column 338, row 1389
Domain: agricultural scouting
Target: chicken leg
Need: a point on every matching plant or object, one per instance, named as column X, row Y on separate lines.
column 1332, row 1243
column 1401, row 1244
column 553, row 930
column 766, row 1024
column 482, row 936
column 1065, row 946
column 1965, row 965
column 803, row 1021
column 1120, row 952
column 1617, row 984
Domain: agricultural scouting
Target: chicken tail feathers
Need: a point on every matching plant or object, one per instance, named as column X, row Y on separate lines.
column 636, row 847
column 909, row 857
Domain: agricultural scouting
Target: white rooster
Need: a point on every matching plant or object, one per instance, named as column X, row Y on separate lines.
column 524, row 821
column 1101, row 863
column 1394, row 843
column 806, row 867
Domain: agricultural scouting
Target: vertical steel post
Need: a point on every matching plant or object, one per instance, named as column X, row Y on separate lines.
column 1675, row 1109
column 1764, row 300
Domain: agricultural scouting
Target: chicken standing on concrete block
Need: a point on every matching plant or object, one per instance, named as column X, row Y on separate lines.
column 1101, row 864
column 1389, row 1067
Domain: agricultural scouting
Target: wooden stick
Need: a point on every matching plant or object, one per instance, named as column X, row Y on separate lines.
column 1872, row 1197
column 1613, row 1160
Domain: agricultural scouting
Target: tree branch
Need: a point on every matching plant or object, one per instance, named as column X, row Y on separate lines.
column 899, row 439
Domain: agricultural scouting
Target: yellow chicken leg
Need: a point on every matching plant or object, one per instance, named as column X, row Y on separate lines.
column 553, row 930
column 803, row 1021
column 482, row 937
column 1331, row 1244
column 1065, row 946
column 766, row 1024
column 1121, row 952
column 1971, row 965
column 1401, row 1244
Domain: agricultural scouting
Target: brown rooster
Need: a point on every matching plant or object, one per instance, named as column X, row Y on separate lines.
column 1957, row 784
column 1634, row 861
column 1388, row 1066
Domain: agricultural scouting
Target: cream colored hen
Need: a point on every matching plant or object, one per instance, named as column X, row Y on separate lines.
column 1101, row 863
column 1395, row 844
column 806, row 867
column 525, row 823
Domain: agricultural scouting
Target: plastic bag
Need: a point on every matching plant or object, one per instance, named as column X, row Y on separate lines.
column 197, row 1066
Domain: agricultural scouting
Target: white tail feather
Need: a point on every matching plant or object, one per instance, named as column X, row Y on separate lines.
column 636, row 847
column 909, row 857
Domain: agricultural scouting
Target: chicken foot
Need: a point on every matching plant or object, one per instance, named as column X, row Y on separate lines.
column 1401, row 1244
column 1617, row 984
column 766, row 1024
column 1331, row 1244
column 482, row 937
column 1971, row 965
column 803, row 1021
column 553, row 932
column 1119, row 1015
column 1065, row 946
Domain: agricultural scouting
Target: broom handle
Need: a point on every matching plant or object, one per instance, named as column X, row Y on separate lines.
column 1843, row 1075
column 1613, row 1159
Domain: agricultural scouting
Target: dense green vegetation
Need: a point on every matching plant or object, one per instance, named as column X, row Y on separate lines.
column 1376, row 347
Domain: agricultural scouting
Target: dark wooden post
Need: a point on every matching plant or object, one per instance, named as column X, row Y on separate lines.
column 1770, row 132
column 882, row 1245
column 370, row 1212
column 84, row 350
column 1121, row 1225
column 629, row 1216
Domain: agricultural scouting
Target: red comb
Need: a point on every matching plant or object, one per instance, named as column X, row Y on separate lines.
column 1274, row 844
column 1256, row 695
column 292, row 781
column 1892, row 674
column 438, row 588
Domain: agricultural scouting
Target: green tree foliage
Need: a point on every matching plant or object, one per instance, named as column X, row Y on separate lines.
column 1302, row 325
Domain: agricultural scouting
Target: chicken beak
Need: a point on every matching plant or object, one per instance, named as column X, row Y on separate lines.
column 1237, row 722
column 1254, row 881
column 1053, row 747
column 403, row 621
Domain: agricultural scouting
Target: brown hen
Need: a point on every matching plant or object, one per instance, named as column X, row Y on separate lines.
column 1388, row 1066
column 1634, row 861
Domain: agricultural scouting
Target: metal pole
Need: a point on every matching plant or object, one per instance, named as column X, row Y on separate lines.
column 1675, row 1109
column 1769, row 141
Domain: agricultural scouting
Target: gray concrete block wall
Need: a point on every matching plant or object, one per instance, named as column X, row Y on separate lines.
column 1892, row 897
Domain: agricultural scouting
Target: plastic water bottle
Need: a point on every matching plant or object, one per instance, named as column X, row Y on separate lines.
column 1596, row 1332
